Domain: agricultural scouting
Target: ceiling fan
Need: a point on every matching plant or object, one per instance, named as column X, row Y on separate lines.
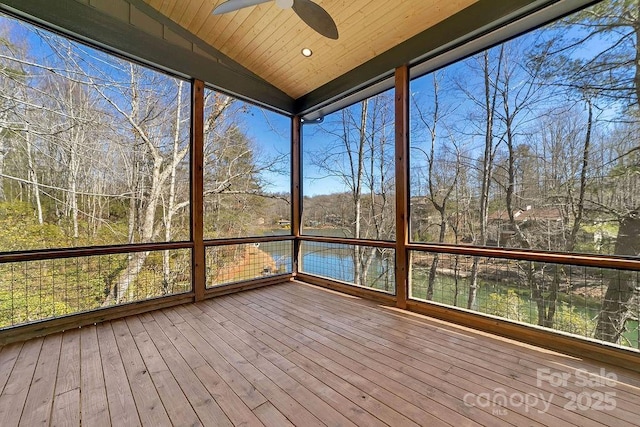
column 311, row 13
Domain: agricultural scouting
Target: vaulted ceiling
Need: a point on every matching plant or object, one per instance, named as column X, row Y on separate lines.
column 255, row 52
column 268, row 40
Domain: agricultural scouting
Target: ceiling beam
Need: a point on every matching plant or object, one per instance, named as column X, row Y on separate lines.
column 88, row 24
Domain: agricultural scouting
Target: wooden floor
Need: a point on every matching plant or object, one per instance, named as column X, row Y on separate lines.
column 296, row 354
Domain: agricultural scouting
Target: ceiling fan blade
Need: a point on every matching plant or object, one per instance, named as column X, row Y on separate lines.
column 231, row 5
column 316, row 17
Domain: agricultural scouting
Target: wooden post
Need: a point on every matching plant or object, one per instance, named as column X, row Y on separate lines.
column 402, row 184
column 296, row 188
column 198, row 275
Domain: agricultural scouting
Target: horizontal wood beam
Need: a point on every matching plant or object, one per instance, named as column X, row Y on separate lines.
column 370, row 294
column 586, row 260
column 39, row 255
column 553, row 340
column 73, row 321
column 217, row 291
column 348, row 241
column 247, row 240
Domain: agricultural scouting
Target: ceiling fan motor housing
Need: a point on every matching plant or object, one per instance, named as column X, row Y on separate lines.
column 284, row 4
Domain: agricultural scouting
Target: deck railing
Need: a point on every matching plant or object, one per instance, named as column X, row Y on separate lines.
column 39, row 285
column 366, row 264
column 580, row 297
column 77, row 286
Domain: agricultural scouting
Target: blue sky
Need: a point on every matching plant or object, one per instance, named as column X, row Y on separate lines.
column 268, row 130
column 271, row 131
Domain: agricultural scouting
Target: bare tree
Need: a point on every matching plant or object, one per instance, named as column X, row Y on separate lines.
column 611, row 70
column 32, row 174
column 491, row 73
column 358, row 156
column 146, row 113
column 442, row 171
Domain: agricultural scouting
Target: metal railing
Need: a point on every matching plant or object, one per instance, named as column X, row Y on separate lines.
column 556, row 291
column 359, row 263
column 238, row 262
column 44, row 285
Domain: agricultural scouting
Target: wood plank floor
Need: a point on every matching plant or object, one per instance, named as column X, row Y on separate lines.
column 294, row 354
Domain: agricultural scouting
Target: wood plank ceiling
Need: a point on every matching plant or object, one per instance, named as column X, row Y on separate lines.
column 268, row 40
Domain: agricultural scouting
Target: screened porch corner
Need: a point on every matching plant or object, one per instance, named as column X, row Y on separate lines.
column 296, row 354
column 431, row 217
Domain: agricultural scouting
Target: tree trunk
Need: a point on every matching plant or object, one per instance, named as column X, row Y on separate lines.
column 358, row 174
column 436, row 256
column 456, row 284
column 434, row 188
column 33, row 176
column 152, row 198
column 487, row 167
column 473, row 284
column 166, row 266
column 133, row 199
column 72, row 184
column 622, row 290
column 3, row 154
column 126, row 278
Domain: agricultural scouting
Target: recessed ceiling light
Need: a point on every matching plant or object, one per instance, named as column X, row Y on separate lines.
column 306, row 52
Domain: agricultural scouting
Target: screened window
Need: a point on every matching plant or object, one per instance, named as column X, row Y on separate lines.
column 94, row 150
